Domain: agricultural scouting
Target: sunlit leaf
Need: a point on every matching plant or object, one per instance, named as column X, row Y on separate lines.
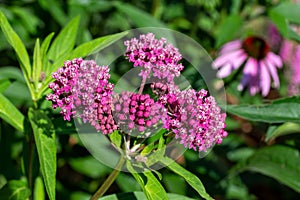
column 149, row 184
column 44, row 136
column 284, row 129
column 190, row 178
column 10, row 113
column 39, row 191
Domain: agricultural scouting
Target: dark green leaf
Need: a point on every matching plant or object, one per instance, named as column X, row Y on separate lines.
column 279, row 162
column 89, row 166
column 15, row 190
column 141, row 196
column 55, row 10
column 149, row 184
column 228, row 28
column 96, row 45
column 283, row 110
column 44, row 136
column 139, row 17
column 190, row 178
column 17, row 44
column 284, row 129
column 11, row 114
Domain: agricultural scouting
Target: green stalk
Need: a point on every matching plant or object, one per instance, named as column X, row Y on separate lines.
column 111, row 178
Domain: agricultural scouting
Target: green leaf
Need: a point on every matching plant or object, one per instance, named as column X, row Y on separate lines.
column 283, row 110
column 279, row 162
column 283, row 15
column 139, row 17
column 149, row 184
column 190, row 178
column 116, row 138
column 17, row 44
column 44, row 136
column 96, row 45
column 11, row 114
column 158, row 154
column 39, row 192
column 63, row 43
column 284, row 129
column 55, row 10
column 140, row 196
column 89, row 166
column 15, row 190
column 13, row 73
column 37, row 63
column 228, row 29
column 44, row 49
column 4, row 84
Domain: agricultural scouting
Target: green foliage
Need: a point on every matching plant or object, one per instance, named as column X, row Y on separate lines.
column 16, row 190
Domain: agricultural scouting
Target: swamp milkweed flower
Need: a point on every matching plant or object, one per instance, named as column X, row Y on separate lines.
column 259, row 64
column 82, row 89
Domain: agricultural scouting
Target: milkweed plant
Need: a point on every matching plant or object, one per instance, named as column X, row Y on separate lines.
column 143, row 124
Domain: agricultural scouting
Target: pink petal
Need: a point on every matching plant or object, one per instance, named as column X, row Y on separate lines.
column 276, row 60
column 225, row 58
column 247, row 73
column 236, row 44
column 286, row 51
column 225, row 71
column 295, row 65
column 273, row 71
column 239, row 61
column 265, row 79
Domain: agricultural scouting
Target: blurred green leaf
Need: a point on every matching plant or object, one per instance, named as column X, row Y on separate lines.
column 4, row 84
column 96, row 45
column 80, row 196
column 190, row 178
column 228, row 29
column 39, row 192
column 44, row 135
column 174, row 183
column 139, row 17
column 63, row 44
column 18, row 94
column 89, row 166
column 127, row 183
column 284, row 14
column 158, row 154
column 141, row 196
column 283, row 110
column 284, row 129
column 149, row 184
column 279, row 162
column 239, row 154
column 15, row 190
column 10, row 72
column 11, row 114
column 55, row 10
column 17, row 45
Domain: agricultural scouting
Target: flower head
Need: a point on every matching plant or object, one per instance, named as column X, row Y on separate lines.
column 81, row 89
column 259, row 64
column 195, row 119
column 154, row 56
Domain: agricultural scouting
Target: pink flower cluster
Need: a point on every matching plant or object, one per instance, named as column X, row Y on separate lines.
column 195, row 119
column 82, row 89
column 136, row 111
column 154, row 56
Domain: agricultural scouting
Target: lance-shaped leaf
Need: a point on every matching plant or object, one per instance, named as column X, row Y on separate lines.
column 17, row 44
column 190, row 178
column 149, row 184
column 10, row 113
column 44, row 136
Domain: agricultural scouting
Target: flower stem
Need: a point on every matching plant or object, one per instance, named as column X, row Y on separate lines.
column 142, row 85
column 111, row 178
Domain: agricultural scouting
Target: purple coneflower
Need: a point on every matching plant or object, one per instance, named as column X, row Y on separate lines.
column 259, row 64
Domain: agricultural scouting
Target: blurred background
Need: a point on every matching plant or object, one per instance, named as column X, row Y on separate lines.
column 211, row 23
